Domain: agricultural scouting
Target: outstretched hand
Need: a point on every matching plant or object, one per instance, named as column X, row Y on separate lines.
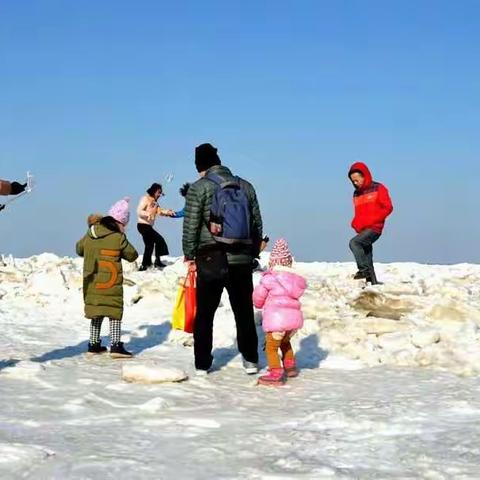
column 17, row 188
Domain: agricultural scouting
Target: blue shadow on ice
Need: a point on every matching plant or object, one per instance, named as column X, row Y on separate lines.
column 223, row 356
column 156, row 335
column 8, row 363
column 62, row 353
column 310, row 355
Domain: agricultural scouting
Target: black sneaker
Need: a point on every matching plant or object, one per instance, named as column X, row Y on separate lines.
column 117, row 351
column 143, row 268
column 96, row 348
column 159, row 264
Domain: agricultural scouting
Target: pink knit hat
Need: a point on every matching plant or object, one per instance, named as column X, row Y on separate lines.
column 120, row 212
column 281, row 255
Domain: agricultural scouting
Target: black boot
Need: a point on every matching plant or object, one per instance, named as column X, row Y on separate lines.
column 372, row 278
column 96, row 348
column 360, row 276
column 159, row 264
column 117, row 351
column 143, row 268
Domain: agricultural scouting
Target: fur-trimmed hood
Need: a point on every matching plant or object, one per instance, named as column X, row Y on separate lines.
column 93, row 219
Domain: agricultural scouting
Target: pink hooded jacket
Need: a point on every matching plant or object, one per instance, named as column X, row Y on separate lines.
column 278, row 294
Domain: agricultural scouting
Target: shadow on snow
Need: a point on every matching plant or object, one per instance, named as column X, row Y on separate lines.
column 155, row 335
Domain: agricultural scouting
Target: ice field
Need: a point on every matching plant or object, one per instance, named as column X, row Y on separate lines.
column 388, row 385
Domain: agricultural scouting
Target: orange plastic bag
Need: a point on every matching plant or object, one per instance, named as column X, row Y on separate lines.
column 186, row 305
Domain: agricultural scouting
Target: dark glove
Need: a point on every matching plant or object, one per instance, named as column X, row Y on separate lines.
column 2, row 207
column 17, row 188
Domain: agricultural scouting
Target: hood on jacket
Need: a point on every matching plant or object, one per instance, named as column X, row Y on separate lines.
column 103, row 228
column 94, row 218
column 364, row 170
column 293, row 284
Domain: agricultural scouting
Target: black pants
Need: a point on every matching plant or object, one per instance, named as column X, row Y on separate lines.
column 362, row 249
column 239, row 284
column 152, row 239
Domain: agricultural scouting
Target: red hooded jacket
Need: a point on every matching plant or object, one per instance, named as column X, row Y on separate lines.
column 372, row 202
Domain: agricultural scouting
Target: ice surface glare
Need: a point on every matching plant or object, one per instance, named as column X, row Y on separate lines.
column 388, row 387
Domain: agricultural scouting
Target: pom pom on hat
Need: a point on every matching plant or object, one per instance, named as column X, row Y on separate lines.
column 281, row 255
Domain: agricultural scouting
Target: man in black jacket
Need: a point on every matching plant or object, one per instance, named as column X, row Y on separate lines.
column 218, row 266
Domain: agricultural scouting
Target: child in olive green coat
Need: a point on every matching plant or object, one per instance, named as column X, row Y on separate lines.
column 103, row 248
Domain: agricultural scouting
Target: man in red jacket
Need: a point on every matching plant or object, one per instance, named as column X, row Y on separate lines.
column 372, row 207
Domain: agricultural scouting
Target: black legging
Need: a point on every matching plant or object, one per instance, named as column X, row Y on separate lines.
column 151, row 238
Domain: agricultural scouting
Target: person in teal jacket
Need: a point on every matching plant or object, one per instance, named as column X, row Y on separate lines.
column 183, row 193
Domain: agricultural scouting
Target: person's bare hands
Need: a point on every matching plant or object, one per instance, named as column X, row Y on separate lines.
column 191, row 265
column 167, row 213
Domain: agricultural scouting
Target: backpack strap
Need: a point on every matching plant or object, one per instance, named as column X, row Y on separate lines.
column 216, row 179
column 223, row 182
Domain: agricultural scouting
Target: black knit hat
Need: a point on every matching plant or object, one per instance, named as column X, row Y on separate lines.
column 206, row 157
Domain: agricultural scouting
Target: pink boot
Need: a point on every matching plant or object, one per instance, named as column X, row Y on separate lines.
column 275, row 378
column 290, row 368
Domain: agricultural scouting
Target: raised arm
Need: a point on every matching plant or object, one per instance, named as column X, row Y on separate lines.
column 11, row 188
column 128, row 250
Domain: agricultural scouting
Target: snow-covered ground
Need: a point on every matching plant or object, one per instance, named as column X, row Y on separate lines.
column 388, row 389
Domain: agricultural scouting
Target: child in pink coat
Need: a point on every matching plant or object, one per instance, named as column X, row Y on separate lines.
column 278, row 295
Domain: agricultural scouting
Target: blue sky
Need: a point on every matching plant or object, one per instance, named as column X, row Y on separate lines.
column 99, row 99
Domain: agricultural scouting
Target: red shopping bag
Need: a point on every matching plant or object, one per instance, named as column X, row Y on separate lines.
column 190, row 301
column 186, row 305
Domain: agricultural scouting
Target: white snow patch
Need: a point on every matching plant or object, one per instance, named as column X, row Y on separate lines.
column 19, row 459
column 152, row 373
